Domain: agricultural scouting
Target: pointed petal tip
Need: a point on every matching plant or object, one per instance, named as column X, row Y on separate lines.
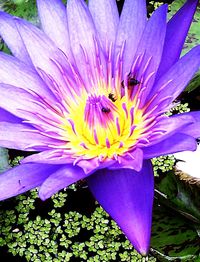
column 142, row 250
column 143, row 253
column 42, row 196
column 119, row 193
column 140, row 241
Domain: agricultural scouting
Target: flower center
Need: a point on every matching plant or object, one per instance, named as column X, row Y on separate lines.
column 105, row 116
column 103, row 125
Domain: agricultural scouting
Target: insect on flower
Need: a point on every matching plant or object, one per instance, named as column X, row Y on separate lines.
column 88, row 92
column 133, row 82
column 105, row 110
column 112, row 97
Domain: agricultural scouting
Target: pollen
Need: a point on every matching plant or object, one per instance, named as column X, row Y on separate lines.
column 103, row 127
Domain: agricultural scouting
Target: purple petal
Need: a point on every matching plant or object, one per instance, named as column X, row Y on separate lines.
column 106, row 18
column 55, row 157
column 23, row 178
column 175, row 143
column 16, row 73
column 8, row 117
column 154, row 33
column 174, row 81
column 23, row 137
column 195, row 115
column 169, row 126
column 64, row 177
column 53, row 18
column 193, row 129
column 128, row 197
column 131, row 160
column 58, row 156
column 81, row 26
column 177, row 29
column 131, row 25
column 42, row 50
column 83, row 36
column 17, row 101
column 91, row 165
column 10, row 34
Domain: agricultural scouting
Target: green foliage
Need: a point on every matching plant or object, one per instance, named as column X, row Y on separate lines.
column 40, row 231
column 174, row 238
column 194, row 83
column 16, row 161
column 179, row 195
column 4, row 162
column 178, row 109
column 21, row 8
column 163, row 164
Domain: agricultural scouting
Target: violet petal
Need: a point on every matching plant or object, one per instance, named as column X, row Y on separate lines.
column 128, row 197
column 54, row 156
column 106, row 18
column 17, row 101
column 175, row 143
column 154, row 32
column 23, row 137
column 84, row 39
column 169, row 126
column 194, row 128
column 5, row 116
column 16, row 73
column 62, row 178
column 22, row 178
column 53, row 19
column 131, row 160
column 176, row 79
column 132, row 23
column 42, row 50
column 10, row 34
column 175, row 37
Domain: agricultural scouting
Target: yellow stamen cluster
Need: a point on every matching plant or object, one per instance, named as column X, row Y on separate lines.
column 111, row 137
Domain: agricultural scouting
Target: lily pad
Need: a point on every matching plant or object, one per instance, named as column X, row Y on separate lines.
column 194, row 83
column 174, row 238
column 4, row 162
column 179, row 195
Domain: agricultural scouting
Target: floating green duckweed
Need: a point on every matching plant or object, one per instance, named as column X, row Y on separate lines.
column 42, row 231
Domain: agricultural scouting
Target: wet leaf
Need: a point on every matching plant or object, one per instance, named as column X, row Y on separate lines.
column 174, row 238
column 179, row 195
column 194, row 83
column 4, row 162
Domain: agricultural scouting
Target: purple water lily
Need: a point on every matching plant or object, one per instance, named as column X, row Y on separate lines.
column 88, row 93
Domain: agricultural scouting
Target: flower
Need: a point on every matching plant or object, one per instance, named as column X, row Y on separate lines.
column 88, row 94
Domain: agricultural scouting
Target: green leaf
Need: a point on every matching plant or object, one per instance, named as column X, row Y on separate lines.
column 179, row 195
column 4, row 162
column 21, row 8
column 174, row 238
column 194, row 83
